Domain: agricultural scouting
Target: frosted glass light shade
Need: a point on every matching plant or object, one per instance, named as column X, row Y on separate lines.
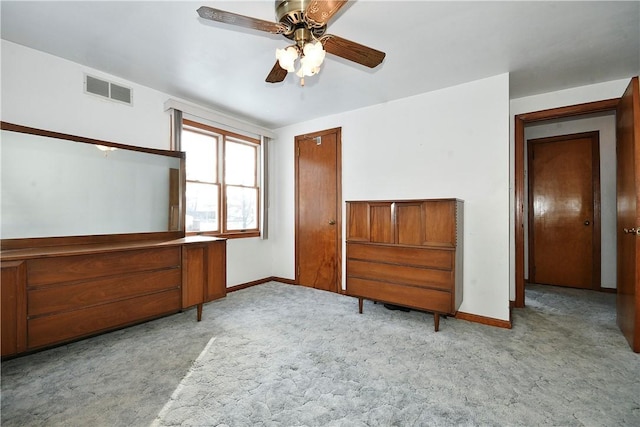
column 314, row 53
column 307, row 67
column 287, row 58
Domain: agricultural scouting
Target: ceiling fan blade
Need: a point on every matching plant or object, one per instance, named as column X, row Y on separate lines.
column 241, row 20
column 352, row 51
column 320, row 11
column 277, row 74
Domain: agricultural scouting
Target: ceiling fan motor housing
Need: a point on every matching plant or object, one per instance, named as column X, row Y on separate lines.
column 292, row 14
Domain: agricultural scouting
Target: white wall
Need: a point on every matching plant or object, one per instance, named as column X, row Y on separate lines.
column 46, row 92
column 248, row 259
column 573, row 96
column 447, row 143
column 605, row 123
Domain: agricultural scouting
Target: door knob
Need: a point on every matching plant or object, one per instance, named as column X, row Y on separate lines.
column 587, row 222
column 332, row 222
column 632, row 231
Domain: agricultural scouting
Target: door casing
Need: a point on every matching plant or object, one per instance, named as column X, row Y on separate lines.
column 521, row 120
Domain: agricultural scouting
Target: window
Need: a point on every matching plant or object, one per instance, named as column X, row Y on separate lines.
column 222, row 181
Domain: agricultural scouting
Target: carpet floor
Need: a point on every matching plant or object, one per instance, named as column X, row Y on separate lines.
column 282, row 355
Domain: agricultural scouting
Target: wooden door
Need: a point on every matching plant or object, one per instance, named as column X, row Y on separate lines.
column 318, row 212
column 628, row 221
column 564, row 206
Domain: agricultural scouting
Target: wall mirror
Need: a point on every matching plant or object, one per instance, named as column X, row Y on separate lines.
column 55, row 185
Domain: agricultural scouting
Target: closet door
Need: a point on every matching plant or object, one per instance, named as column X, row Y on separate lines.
column 318, row 210
column 628, row 188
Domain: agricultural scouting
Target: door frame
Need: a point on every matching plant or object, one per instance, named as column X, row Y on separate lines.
column 596, row 259
column 521, row 120
column 338, row 249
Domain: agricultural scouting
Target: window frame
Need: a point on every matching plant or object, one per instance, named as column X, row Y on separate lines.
column 223, row 135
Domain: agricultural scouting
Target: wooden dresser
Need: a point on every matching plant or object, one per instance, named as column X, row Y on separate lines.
column 56, row 294
column 406, row 253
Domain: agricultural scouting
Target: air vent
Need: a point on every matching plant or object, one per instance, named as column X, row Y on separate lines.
column 105, row 89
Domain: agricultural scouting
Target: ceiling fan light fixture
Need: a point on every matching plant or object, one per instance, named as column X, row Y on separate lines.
column 314, row 53
column 287, row 58
column 308, row 67
column 311, row 55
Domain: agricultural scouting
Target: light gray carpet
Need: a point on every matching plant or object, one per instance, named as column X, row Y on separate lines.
column 281, row 355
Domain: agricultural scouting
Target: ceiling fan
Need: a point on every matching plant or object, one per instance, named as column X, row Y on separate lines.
column 304, row 22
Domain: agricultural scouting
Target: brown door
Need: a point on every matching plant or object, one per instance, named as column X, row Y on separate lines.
column 564, row 206
column 628, row 223
column 318, row 213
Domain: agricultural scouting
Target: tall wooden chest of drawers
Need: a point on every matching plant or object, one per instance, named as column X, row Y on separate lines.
column 406, row 253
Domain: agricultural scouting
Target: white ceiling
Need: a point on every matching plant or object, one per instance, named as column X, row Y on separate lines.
column 546, row 46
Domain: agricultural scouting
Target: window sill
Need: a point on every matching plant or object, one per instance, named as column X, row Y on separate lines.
column 229, row 235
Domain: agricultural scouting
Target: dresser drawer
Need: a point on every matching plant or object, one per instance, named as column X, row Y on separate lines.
column 82, row 267
column 409, row 296
column 401, row 274
column 66, row 326
column 59, row 298
column 402, row 255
